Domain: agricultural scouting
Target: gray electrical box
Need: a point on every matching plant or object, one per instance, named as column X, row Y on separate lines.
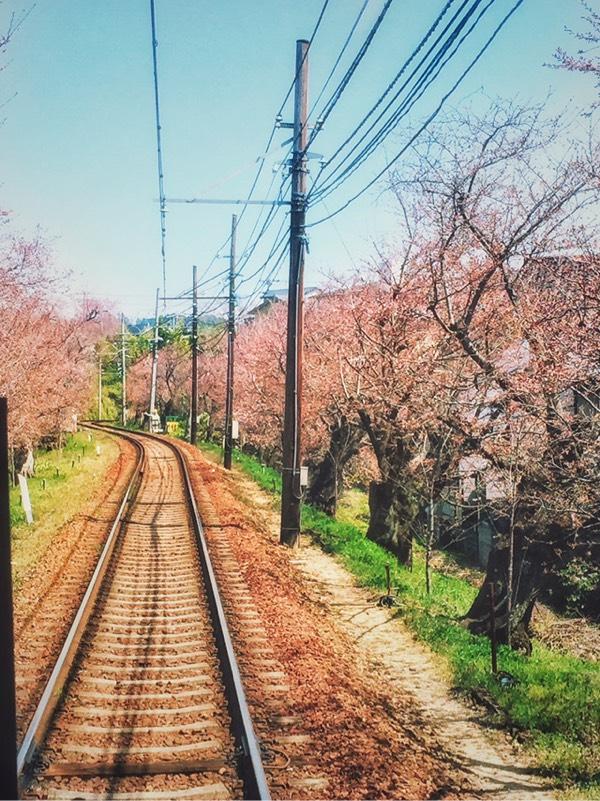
column 303, row 477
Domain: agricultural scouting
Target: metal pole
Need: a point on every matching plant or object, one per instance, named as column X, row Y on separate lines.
column 230, row 351
column 291, row 497
column 99, row 385
column 8, row 724
column 123, row 374
column 154, row 371
column 493, row 636
column 194, row 403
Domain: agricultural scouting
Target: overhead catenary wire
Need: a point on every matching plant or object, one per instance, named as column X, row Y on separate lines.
column 245, row 258
column 161, row 189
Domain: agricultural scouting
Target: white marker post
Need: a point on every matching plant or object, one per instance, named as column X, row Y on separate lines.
column 25, row 499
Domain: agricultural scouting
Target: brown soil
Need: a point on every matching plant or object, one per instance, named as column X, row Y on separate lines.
column 352, row 733
column 51, row 592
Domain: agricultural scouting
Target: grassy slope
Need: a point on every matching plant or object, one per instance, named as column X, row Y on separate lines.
column 68, row 487
column 555, row 704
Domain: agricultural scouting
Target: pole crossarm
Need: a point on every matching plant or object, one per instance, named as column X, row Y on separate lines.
column 225, row 201
column 198, row 297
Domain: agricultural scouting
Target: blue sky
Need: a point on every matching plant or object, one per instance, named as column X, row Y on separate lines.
column 78, row 142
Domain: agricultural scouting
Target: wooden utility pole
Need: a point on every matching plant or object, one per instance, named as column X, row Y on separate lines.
column 154, row 370
column 230, row 348
column 194, row 403
column 123, row 374
column 291, row 495
column 8, row 724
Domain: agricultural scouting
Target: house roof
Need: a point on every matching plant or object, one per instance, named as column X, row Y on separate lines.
column 276, row 296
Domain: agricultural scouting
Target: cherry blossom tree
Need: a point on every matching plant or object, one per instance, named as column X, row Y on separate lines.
column 586, row 60
column 498, row 221
column 45, row 356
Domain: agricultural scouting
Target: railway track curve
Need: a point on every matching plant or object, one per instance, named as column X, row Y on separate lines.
column 145, row 700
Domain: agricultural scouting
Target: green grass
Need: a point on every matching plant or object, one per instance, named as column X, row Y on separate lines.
column 65, row 479
column 555, row 704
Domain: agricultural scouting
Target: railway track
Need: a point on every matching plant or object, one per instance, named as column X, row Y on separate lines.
column 145, row 700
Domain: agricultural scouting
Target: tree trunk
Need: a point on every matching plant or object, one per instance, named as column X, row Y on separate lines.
column 392, row 509
column 531, row 562
column 326, row 487
column 389, row 513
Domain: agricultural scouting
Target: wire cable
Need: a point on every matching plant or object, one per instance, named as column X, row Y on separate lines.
column 429, row 76
column 338, row 59
column 409, row 60
column 250, row 248
column 429, row 119
column 334, row 99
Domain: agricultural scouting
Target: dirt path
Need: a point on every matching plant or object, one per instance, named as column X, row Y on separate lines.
column 403, row 663
column 483, row 763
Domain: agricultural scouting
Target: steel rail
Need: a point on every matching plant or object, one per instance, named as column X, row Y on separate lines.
column 251, row 770
column 42, row 717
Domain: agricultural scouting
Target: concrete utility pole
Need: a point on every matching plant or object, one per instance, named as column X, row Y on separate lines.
column 8, row 722
column 291, row 496
column 230, row 345
column 194, row 403
column 123, row 374
column 154, row 371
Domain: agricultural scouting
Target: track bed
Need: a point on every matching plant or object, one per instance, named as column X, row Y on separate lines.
column 146, row 713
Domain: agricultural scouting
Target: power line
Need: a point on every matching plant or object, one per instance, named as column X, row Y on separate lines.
column 249, row 248
column 278, row 115
column 397, row 77
column 431, row 117
column 266, row 282
column 339, row 57
column 251, row 245
column 334, row 99
column 270, row 141
column 422, row 84
column 301, row 65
